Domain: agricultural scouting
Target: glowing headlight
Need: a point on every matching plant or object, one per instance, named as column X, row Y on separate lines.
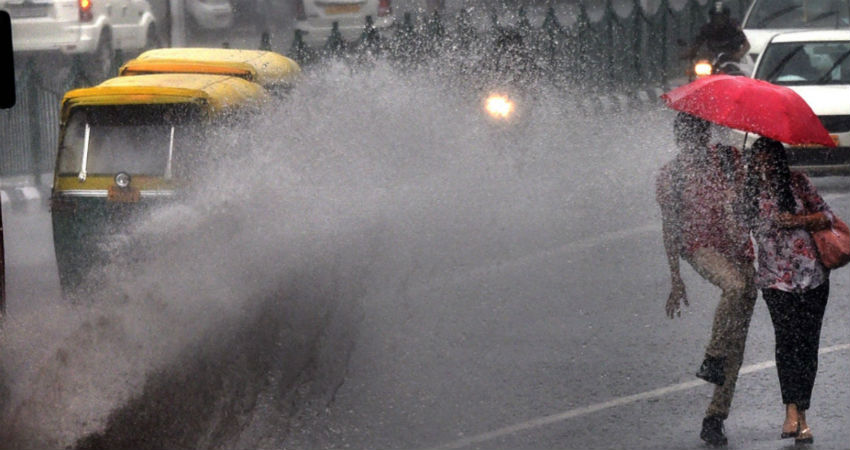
column 703, row 68
column 499, row 106
column 122, row 180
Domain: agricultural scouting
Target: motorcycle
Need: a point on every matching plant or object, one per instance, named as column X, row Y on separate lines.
column 708, row 63
column 701, row 68
column 508, row 79
column 501, row 106
column 723, row 63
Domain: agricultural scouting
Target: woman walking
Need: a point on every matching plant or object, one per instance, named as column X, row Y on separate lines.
column 786, row 209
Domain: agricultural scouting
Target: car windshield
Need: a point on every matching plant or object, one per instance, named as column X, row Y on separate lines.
column 140, row 140
column 799, row 14
column 799, row 63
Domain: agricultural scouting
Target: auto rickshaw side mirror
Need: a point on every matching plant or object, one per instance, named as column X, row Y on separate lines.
column 7, row 66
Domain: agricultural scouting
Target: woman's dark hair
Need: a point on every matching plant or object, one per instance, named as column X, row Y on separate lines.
column 780, row 181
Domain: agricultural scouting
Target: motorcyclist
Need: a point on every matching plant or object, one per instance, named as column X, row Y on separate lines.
column 722, row 34
column 511, row 60
column 508, row 77
column 728, row 64
column 435, row 5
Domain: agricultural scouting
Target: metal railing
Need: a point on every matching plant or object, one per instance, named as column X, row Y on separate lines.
column 30, row 130
column 613, row 48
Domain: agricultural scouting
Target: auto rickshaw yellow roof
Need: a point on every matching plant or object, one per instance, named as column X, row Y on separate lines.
column 262, row 67
column 219, row 92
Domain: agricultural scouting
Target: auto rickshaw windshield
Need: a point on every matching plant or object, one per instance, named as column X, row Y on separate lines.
column 136, row 139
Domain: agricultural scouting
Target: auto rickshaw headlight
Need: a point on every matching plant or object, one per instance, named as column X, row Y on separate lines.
column 122, row 180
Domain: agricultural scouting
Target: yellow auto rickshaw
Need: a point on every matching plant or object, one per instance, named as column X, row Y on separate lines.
column 126, row 145
column 271, row 70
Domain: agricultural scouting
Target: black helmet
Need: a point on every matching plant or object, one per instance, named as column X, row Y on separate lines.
column 719, row 9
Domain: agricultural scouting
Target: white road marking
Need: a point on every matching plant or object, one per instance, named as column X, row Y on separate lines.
column 582, row 244
column 613, row 403
column 835, row 196
column 621, row 401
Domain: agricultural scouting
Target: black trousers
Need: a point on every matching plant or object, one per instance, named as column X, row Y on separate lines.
column 797, row 320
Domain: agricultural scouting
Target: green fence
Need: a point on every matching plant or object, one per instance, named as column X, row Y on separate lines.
column 30, row 130
column 599, row 47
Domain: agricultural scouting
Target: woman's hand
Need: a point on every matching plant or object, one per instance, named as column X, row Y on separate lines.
column 811, row 222
column 676, row 298
column 788, row 220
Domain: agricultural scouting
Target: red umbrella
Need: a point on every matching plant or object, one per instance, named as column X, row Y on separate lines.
column 751, row 105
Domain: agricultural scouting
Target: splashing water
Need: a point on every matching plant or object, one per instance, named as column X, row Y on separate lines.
column 228, row 312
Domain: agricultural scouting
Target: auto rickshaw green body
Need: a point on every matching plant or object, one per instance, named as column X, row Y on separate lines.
column 123, row 148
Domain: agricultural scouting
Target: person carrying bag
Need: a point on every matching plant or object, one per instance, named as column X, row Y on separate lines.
column 786, row 213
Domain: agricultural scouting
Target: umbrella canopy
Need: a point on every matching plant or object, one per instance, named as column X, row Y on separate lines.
column 751, row 105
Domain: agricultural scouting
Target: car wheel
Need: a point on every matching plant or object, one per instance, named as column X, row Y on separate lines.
column 99, row 66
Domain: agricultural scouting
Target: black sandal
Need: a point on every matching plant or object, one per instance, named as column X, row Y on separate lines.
column 790, row 434
column 805, row 437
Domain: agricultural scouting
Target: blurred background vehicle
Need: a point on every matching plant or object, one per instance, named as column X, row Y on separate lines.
column 210, row 14
column 92, row 29
column 816, row 65
column 765, row 18
column 315, row 18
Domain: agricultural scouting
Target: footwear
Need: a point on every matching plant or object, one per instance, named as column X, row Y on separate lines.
column 712, row 432
column 804, row 436
column 793, row 417
column 790, row 434
column 712, row 369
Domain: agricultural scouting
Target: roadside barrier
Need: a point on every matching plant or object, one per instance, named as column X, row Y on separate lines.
column 603, row 46
column 30, row 130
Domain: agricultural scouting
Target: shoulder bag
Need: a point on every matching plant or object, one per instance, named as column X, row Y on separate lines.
column 833, row 244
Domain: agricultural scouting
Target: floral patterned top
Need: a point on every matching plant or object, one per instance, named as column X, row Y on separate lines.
column 787, row 257
column 703, row 207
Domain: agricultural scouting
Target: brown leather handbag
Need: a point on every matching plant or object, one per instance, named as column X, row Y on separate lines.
column 833, row 244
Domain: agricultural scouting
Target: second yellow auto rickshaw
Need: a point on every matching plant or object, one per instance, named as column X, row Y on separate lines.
column 273, row 71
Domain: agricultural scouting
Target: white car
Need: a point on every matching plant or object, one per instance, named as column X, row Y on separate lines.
column 816, row 65
column 765, row 18
column 315, row 18
column 94, row 29
column 211, row 14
